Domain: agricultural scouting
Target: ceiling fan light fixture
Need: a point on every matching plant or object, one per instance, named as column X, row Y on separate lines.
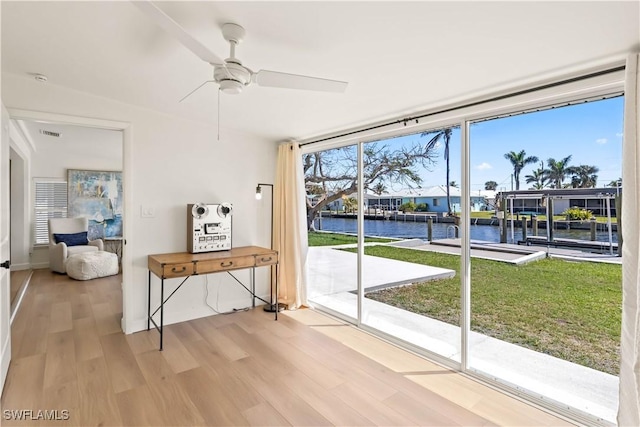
column 230, row 74
column 231, row 87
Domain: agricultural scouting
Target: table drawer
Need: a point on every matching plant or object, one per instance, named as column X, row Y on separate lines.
column 177, row 270
column 211, row 266
column 266, row 259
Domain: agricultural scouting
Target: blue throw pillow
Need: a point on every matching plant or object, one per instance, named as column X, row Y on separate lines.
column 74, row 239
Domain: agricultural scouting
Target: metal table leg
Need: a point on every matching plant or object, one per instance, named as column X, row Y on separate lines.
column 161, row 311
column 149, row 300
column 253, row 287
column 277, row 303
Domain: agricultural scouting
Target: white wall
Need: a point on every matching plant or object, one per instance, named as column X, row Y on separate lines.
column 19, row 213
column 20, row 154
column 173, row 162
column 78, row 147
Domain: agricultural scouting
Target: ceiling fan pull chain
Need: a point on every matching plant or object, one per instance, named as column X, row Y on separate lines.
column 218, row 114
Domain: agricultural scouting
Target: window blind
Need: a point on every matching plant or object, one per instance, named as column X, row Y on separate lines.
column 50, row 202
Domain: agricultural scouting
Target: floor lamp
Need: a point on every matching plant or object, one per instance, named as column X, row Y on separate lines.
column 271, row 308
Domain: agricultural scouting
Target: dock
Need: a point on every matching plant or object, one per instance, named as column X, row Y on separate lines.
column 485, row 249
column 588, row 245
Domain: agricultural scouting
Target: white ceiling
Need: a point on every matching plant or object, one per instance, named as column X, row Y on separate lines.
column 398, row 57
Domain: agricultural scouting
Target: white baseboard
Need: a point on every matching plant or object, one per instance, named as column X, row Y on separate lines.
column 20, row 267
column 5, row 358
column 39, row 265
column 138, row 325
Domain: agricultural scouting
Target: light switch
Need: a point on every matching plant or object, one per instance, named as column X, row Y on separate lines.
column 147, row 212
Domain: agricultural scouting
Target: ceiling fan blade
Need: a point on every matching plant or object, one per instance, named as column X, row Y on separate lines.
column 294, row 81
column 165, row 22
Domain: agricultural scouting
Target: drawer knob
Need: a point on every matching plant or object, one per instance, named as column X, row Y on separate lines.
column 182, row 270
column 226, row 264
column 264, row 259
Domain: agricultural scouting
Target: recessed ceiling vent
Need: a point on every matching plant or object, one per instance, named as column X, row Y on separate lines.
column 50, row 133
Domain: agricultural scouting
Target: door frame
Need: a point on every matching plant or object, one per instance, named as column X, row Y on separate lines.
column 5, row 272
column 127, row 187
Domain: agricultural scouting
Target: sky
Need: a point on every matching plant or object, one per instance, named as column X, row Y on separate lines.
column 590, row 132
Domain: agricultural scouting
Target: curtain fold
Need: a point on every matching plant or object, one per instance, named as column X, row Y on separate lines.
column 289, row 226
column 629, row 408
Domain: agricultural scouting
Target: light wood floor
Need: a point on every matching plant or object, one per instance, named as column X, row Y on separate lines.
column 240, row 369
column 18, row 281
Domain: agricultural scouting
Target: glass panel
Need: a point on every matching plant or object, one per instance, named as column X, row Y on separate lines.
column 545, row 285
column 332, row 208
column 412, row 288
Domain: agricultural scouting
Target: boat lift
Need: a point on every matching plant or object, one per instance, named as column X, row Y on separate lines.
column 546, row 199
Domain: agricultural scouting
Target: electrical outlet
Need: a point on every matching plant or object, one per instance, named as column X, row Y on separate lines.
column 147, row 212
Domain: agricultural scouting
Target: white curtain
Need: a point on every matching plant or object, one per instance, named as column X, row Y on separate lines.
column 629, row 409
column 289, row 226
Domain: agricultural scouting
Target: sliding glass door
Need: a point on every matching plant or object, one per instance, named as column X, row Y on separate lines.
column 545, row 303
column 332, row 210
column 411, row 288
column 492, row 247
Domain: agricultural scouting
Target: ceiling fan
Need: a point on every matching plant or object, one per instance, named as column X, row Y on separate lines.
column 229, row 73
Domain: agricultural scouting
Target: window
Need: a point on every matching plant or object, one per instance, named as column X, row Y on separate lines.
column 547, row 313
column 50, row 202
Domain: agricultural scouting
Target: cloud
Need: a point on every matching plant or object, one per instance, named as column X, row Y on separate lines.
column 619, row 134
column 601, row 141
column 483, row 166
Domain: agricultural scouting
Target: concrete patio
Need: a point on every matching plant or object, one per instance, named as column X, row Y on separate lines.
column 332, row 274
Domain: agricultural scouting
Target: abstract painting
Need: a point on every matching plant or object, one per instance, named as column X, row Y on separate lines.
column 97, row 196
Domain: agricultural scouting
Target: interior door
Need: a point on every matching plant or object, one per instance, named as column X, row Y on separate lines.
column 5, row 277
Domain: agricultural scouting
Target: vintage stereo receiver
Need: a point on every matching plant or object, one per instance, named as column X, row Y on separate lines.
column 208, row 227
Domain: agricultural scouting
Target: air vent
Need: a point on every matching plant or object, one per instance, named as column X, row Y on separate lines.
column 50, row 133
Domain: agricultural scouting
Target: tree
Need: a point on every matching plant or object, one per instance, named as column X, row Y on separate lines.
column 379, row 188
column 557, row 170
column 519, row 161
column 538, row 178
column 350, row 204
column 445, row 136
column 490, row 185
column 331, row 174
column 583, row 176
column 616, row 183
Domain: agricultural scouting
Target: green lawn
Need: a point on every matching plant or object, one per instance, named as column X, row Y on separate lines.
column 331, row 239
column 566, row 309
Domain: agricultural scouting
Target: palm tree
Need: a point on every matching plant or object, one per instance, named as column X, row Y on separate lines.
column 519, row 161
column 557, row 171
column 616, row 183
column 445, row 136
column 584, row 176
column 350, row 204
column 538, row 178
column 490, row 185
column 379, row 188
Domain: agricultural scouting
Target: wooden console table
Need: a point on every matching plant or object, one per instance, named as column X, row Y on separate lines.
column 185, row 264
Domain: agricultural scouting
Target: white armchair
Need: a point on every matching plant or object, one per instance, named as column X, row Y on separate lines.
column 66, row 238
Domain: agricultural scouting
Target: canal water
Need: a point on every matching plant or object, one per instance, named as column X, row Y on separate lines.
column 418, row 230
